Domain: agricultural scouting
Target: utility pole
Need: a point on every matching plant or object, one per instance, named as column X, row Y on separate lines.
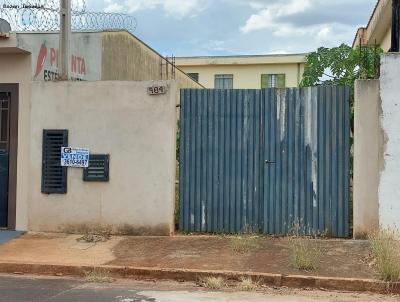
column 64, row 39
column 395, row 26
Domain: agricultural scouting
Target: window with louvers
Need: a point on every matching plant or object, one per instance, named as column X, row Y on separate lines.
column 98, row 169
column 273, row 81
column 223, row 81
column 54, row 176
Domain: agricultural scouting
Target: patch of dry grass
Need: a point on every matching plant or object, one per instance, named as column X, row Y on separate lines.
column 213, row 282
column 98, row 275
column 385, row 248
column 244, row 244
column 305, row 252
column 247, row 284
column 304, row 246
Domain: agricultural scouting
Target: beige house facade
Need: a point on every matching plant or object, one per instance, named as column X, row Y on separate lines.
column 109, row 107
column 245, row 72
column 378, row 30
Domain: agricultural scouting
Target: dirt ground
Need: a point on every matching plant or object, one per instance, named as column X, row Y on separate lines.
column 340, row 258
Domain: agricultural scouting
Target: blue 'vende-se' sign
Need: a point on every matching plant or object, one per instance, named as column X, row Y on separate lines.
column 74, row 157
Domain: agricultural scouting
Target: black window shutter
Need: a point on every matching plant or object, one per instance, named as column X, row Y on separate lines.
column 54, row 177
column 98, row 169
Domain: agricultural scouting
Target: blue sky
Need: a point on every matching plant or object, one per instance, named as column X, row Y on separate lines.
column 231, row 27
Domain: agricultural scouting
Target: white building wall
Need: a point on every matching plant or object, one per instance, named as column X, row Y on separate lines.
column 368, row 145
column 84, row 57
column 389, row 186
column 247, row 76
column 116, row 118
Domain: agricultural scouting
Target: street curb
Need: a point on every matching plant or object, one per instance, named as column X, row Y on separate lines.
column 143, row 273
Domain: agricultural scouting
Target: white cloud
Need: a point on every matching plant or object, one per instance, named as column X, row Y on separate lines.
column 176, row 8
column 290, row 26
column 256, row 5
column 267, row 17
column 324, row 31
column 318, row 31
column 114, row 8
column 270, row 18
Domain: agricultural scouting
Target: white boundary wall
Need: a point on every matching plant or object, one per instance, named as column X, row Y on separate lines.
column 377, row 150
column 389, row 186
column 139, row 133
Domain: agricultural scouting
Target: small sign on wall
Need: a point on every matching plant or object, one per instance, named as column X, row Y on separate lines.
column 157, row 89
column 74, row 157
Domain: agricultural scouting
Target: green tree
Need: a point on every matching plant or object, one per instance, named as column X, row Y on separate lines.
column 341, row 65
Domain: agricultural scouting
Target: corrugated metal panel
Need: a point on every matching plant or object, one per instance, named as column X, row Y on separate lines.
column 265, row 160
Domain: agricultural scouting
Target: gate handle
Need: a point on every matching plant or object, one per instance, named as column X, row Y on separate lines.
column 269, row 162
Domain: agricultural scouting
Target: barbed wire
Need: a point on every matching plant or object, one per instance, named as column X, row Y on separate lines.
column 44, row 15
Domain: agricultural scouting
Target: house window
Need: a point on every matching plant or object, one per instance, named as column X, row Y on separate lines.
column 223, row 81
column 194, row 76
column 273, row 81
column 98, row 169
column 54, row 176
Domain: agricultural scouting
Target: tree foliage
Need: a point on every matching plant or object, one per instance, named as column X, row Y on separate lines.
column 341, row 65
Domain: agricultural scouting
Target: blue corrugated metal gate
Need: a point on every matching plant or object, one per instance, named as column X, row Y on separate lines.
column 265, row 160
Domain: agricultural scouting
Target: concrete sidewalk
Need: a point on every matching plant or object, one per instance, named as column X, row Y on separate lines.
column 342, row 258
column 344, row 266
column 52, row 248
column 6, row 235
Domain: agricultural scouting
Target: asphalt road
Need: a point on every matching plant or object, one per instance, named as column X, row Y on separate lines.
column 30, row 288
